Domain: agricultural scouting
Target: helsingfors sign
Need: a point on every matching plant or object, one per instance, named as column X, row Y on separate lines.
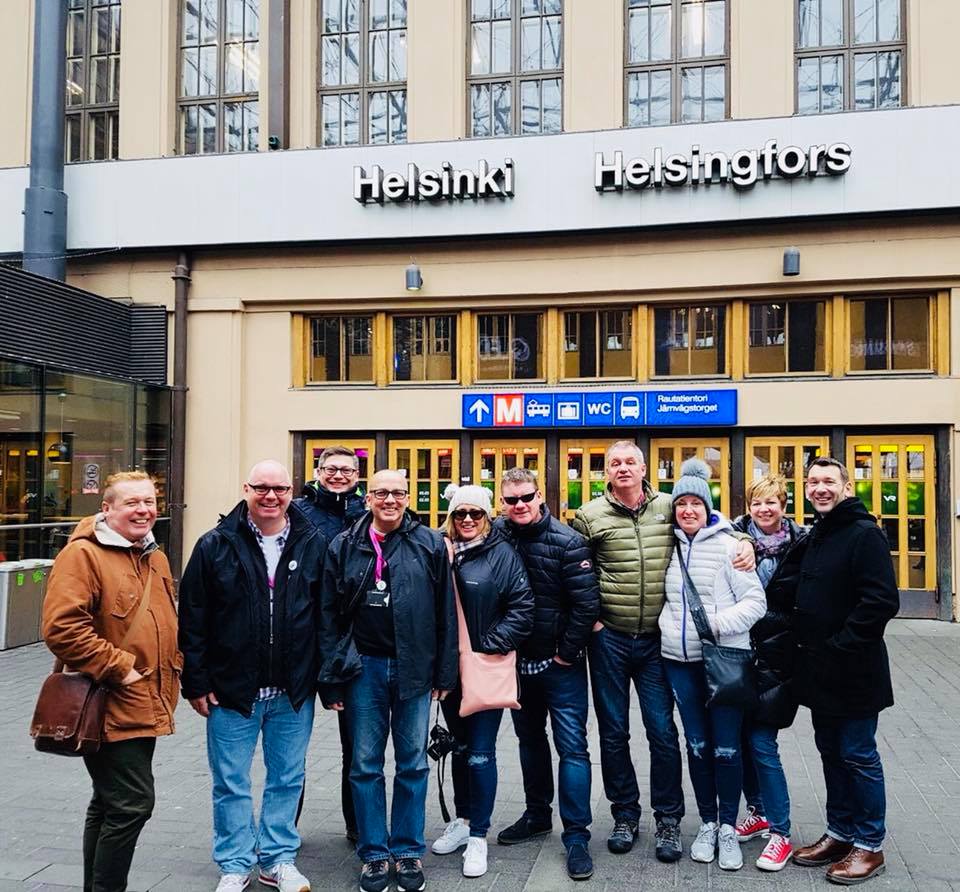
column 742, row 168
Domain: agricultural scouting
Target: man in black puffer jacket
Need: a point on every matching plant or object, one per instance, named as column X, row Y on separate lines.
column 332, row 503
column 249, row 633
column 846, row 595
column 553, row 675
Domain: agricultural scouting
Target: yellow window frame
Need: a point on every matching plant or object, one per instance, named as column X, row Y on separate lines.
column 777, row 445
column 590, row 485
column 525, row 447
column 313, row 446
column 662, row 480
column 729, row 308
column 430, row 483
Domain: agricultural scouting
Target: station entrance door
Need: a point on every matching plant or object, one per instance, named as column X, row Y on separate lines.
column 430, row 466
column 365, row 450
column 666, row 457
column 492, row 457
column 788, row 457
column 582, row 473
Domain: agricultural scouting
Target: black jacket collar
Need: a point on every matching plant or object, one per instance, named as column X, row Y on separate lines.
column 532, row 530
column 325, row 500
column 849, row 511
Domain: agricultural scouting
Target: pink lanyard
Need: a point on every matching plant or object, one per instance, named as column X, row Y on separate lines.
column 381, row 563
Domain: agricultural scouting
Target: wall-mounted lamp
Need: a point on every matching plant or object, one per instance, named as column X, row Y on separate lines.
column 791, row 262
column 413, row 278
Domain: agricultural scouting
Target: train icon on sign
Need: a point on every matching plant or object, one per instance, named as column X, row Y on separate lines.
column 630, row 407
column 537, row 410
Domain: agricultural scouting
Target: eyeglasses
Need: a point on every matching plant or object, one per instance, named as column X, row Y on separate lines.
column 261, row 489
column 333, row 470
column 381, row 495
column 526, row 497
column 473, row 513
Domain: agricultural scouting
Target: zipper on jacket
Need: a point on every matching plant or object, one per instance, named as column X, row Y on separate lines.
column 643, row 575
column 683, row 599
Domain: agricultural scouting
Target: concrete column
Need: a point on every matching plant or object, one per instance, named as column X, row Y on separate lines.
column 932, row 28
column 761, row 58
column 16, row 66
column 593, row 57
column 436, row 70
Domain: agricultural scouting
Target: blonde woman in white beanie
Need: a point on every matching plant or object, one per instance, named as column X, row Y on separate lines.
column 497, row 605
column 732, row 601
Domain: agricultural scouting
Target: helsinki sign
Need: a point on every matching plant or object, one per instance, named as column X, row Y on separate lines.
column 743, row 169
column 628, row 408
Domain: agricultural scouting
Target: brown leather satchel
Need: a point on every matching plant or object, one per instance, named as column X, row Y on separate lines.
column 68, row 717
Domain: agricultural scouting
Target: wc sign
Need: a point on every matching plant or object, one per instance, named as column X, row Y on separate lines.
column 630, row 408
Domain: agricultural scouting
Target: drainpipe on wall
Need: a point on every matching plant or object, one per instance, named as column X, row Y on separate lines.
column 178, row 445
column 45, row 202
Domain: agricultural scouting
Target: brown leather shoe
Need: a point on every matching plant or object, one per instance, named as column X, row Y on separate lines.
column 857, row 867
column 825, row 850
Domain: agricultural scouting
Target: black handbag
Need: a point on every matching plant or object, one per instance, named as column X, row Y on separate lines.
column 729, row 670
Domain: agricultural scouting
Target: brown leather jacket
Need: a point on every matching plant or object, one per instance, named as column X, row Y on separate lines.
column 92, row 597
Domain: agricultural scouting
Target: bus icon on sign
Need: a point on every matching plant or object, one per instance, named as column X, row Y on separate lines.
column 630, row 407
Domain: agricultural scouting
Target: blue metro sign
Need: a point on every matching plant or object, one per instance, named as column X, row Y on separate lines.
column 634, row 408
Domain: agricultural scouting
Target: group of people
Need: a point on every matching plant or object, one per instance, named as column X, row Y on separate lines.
column 350, row 598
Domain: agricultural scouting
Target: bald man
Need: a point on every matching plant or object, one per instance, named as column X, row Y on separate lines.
column 389, row 633
column 249, row 618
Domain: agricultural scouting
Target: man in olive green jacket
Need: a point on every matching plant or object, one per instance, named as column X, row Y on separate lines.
column 630, row 530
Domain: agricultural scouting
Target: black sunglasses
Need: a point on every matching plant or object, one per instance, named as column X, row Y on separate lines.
column 472, row 513
column 526, row 497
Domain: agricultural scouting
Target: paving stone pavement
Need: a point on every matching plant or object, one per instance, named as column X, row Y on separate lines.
column 42, row 800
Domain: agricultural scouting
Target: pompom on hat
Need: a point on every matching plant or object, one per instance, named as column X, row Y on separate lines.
column 694, row 481
column 469, row 495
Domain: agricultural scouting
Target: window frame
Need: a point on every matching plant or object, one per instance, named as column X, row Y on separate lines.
column 627, row 310
column 932, row 367
column 675, row 65
column 430, row 339
column 341, row 381
column 542, row 335
column 727, row 307
column 825, row 299
column 847, row 50
column 514, row 76
column 365, row 87
column 220, row 99
column 86, row 111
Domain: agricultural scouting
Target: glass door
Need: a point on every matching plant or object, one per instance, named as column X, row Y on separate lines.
column 894, row 478
column 365, row 450
column 582, row 474
column 788, row 457
column 492, row 457
column 430, row 467
column 666, row 457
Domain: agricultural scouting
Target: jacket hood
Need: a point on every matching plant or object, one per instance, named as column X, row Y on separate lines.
column 649, row 494
column 848, row 511
column 326, row 500
column 715, row 525
column 96, row 529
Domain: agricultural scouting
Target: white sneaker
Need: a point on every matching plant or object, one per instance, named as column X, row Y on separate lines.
column 705, row 845
column 475, row 857
column 728, row 847
column 233, row 882
column 455, row 836
column 284, row 877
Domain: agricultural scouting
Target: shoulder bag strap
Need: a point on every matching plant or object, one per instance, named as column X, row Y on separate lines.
column 693, row 599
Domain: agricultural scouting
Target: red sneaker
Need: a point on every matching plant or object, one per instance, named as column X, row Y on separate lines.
column 752, row 826
column 776, row 853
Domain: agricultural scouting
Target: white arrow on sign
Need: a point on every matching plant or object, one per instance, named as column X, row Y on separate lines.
column 478, row 408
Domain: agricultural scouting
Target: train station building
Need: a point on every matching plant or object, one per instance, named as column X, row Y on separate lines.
column 465, row 236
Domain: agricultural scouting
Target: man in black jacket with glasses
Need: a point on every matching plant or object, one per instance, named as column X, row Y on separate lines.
column 553, row 674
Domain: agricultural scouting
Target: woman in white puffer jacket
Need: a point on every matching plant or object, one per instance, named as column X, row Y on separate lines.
column 733, row 601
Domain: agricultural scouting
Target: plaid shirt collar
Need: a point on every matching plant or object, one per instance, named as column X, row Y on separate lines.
column 281, row 538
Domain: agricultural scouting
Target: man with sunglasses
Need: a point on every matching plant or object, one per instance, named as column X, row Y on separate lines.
column 332, row 503
column 553, row 672
column 388, row 629
column 249, row 616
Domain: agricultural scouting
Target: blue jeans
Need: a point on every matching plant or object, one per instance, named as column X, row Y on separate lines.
column 764, row 783
column 374, row 709
column 238, row 843
column 474, row 767
column 616, row 660
column 853, row 774
column 713, row 743
column 560, row 692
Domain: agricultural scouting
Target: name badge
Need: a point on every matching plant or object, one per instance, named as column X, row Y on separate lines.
column 378, row 596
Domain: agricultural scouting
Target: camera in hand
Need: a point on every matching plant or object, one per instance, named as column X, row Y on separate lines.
column 442, row 742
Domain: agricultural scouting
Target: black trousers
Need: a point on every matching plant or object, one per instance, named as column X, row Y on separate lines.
column 123, row 798
column 346, row 793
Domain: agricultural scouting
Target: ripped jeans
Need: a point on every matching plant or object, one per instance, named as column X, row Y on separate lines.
column 713, row 743
column 474, row 762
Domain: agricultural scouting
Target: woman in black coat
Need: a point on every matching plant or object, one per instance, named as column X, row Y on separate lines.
column 497, row 604
column 779, row 544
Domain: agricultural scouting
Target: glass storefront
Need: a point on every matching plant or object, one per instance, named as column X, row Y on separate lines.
column 61, row 435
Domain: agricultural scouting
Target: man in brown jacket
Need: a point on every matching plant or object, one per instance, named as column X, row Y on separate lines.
column 111, row 579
